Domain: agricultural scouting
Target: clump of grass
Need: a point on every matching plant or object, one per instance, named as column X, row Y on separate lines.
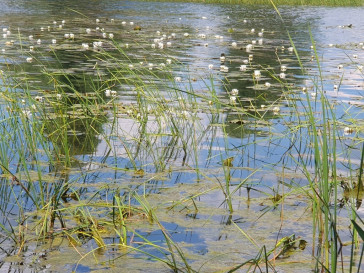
column 323, row 181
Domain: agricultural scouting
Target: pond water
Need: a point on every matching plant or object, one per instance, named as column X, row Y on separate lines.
column 150, row 111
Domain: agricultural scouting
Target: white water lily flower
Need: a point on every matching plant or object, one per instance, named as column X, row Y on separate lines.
column 168, row 61
column 111, row 35
column 54, row 41
column 245, row 61
column 224, row 68
column 63, row 22
column 222, row 57
column 27, row 113
column 250, row 58
column 113, row 93
column 234, row 92
column 72, row 36
column 234, row 44
column 97, row 20
column 186, row 34
column 177, row 79
column 290, row 49
column 123, row 23
column 276, row 109
column 283, row 68
column 104, row 35
column 252, row 30
column 313, row 94
column 152, row 45
column 88, row 30
column 360, row 67
column 85, row 45
column 59, row 96
column 97, row 44
column 340, row 66
column 348, row 130
column 67, row 35
column 211, row 66
column 243, row 67
column 257, row 74
column 39, row 41
column 30, row 37
column 267, row 84
column 335, row 87
column 31, row 48
column 232, row 99
column 260, row 34
column 355, row 56
column 249, row 47
column 29, row 59
column 254, row 42
column 131, row 23
column 107, row 92
column 169, row 44
column 282, row 75
column 260, row 41
column 39, row 98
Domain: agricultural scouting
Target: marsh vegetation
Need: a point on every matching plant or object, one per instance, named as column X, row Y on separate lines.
column 184, row 138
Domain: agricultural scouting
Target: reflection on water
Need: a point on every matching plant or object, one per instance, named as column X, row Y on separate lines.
column 184, row 42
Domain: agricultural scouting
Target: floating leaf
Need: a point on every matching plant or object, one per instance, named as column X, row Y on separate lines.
column 139, row 172
column 228, row 162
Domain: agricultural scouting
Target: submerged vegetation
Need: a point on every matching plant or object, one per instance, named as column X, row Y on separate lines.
column 114, row 150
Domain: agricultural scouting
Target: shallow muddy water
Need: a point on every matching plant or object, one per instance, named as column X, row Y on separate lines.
column 180, row 158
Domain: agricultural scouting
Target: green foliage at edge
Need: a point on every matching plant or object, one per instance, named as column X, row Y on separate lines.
column 277, row 2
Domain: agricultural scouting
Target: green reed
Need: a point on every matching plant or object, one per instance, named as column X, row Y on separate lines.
column 44, row 133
